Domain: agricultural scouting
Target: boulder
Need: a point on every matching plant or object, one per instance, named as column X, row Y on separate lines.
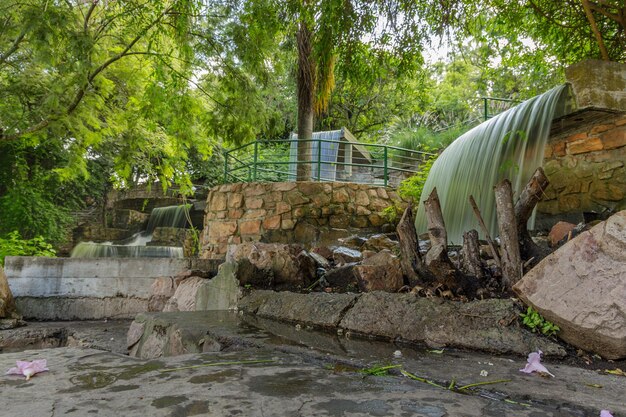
column 161, row 290
column 581, row 287
column 7, row 303
column 379, row 242
column 281, row 266
column 342, row 277
column 380, row 272
column 343, row 255
column 184, row 298
column 559, row 232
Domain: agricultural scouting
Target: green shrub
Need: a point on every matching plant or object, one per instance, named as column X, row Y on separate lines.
column 14, row 245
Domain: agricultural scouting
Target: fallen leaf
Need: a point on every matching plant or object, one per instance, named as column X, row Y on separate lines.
column 438, row 352
column 617, row 371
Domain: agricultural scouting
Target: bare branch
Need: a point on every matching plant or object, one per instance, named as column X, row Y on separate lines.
column 596, row 32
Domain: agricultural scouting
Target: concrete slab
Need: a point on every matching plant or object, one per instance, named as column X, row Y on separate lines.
column 87, row 289
column 297, row 380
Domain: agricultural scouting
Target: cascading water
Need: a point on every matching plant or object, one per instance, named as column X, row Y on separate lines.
column 511, row 145
column 136, row 246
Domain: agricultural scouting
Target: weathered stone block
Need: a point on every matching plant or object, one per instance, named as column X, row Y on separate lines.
column 271, row 223
column 218, row 201
column 254, row 203
column 614, row 139
column 362, row 198
column 438, row 323
column 316, row 309
column 250, row 227
column 608, row 192
column 282, row 207
column 221, row 230
column 339, row 221
column 235, row 200
column 584, row 146
column 581, row 288
column 341, row 196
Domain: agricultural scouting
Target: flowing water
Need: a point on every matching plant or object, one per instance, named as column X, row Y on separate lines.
column 137, row 245
column 511, row 145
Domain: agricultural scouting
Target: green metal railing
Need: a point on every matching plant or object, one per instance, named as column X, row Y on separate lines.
column 369, row 163
column 501, row 105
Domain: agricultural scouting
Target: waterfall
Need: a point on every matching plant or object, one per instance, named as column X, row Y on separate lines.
column 510, row 145
column 170, row 216
column 100, row 250
column 137, row 245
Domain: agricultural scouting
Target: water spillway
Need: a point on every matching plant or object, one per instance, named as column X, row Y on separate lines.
column 137, row 246
column 510, row 145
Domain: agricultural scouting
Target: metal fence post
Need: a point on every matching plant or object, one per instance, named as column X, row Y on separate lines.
column 385, row 173
column 319, row 160
column 225, row 167
column 256, row 158
column 486, row 107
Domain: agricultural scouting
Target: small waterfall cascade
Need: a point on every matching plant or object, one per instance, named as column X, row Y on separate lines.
column 170, row 216
column 510, row 145
column 137, row 246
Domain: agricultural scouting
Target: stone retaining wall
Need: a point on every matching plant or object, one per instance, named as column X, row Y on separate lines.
column 585, row 166
column 90, row 289
column 309, row 213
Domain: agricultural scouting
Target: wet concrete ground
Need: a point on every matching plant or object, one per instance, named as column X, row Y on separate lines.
column 303, row 374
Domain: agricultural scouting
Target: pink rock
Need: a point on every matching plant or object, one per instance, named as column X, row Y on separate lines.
column 581, row 288
column 559, row 232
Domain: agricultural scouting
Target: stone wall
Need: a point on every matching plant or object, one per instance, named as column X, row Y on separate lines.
column 585, row 166
column 90, row 289
column 309, row 213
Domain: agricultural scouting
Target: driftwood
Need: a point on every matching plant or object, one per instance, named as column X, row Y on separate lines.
column 472, row 263
column 437, row 259
column 509, row 243
column 481, row 222
column 528, row 199
column 411, row 261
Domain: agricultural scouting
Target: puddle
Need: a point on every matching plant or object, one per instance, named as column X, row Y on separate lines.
column 93, row 380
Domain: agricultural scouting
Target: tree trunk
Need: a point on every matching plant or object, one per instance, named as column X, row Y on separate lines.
column 436, row 228
column 528, row 199
column 306, row 85
column 507, row 225
column 412, row 263
column 437, row 259
column 481, row 222
column 472, row 263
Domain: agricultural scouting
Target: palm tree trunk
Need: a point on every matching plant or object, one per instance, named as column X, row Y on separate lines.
column 306, row 84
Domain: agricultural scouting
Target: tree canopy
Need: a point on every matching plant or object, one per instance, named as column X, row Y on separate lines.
column 98, row 93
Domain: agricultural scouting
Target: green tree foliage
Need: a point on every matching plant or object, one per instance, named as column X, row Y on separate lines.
column 14, row 245
column 92, row 92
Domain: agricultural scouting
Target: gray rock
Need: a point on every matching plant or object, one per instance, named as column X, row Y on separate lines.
column 380, row 272
column 487, row 325
column 281, row 266
column 379, row 242
column 342, row 277
column 184, row 298
column 316, row 309
column 581, row 287
column 220, row 293
column 343, row 255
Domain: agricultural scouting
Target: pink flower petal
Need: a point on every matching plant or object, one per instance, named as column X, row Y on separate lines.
column 534, row 364
column 28, row 369
column 605, row 413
